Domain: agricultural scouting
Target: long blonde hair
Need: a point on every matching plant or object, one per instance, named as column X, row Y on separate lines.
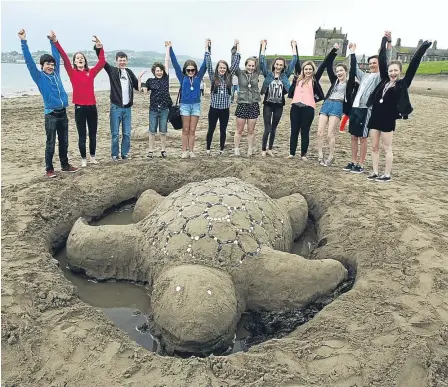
column 302, row 73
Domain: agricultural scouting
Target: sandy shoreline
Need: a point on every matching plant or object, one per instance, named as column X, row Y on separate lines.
column 391, row 329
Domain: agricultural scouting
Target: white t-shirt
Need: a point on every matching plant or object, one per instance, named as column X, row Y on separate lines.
column 124, row 86
column 366, row 83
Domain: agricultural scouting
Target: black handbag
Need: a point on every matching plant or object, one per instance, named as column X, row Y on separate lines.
column 174, row 116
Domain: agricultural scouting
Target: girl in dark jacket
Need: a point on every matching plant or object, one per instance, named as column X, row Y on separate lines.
column 389, row 102
column 336, row 103
column 275, row 86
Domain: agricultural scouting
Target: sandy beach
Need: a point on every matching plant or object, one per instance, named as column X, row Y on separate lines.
column 391, row 329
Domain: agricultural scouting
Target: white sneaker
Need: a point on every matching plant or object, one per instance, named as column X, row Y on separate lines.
column 304, row 158
column 290, row 156
column 83, row 163
column 93, row 160
column 192, row 155
column 209, row 153
column 184, row 155
column 270, row 153
column 263, row 153
column 237, row 152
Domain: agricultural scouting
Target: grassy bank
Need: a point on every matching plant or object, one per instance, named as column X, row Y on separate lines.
column 430, row 68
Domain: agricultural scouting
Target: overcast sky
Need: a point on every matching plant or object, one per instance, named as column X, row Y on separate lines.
column 145, row 25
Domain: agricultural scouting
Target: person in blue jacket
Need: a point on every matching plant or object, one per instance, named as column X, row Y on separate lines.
column 190, row 99
column 275, row 85
column 48, row 80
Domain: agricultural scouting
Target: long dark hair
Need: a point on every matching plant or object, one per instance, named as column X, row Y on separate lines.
column 227, row 77
column 86, row 67
column 279, row 59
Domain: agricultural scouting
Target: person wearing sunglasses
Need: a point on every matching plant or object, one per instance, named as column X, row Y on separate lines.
column 190, row 99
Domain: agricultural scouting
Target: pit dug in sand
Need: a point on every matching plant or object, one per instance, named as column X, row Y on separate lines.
column 210, row 251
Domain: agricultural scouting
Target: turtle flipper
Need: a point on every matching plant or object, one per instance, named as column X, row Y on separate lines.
column 146, row 203
column 107, row 252
column 296, row 207
column 277, row 280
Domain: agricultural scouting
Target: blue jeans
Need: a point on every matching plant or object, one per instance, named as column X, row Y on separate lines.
column 120, row 115
column 158, row 119
column 56, row 123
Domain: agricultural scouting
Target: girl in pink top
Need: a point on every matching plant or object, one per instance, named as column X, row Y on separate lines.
column 305, row 91
column 302, row 110
column 82, row 79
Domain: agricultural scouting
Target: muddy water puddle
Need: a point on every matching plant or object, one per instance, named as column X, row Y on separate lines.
column 126, row 304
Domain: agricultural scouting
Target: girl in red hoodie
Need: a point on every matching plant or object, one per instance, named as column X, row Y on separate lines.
column 82, row 79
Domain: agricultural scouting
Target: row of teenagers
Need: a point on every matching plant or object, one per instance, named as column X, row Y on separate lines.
column 372, row 102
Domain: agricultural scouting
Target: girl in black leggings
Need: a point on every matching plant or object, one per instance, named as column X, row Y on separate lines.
column 305, row 91
column 220, row 95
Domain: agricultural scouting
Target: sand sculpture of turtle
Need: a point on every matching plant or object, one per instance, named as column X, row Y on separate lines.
column 210, row 250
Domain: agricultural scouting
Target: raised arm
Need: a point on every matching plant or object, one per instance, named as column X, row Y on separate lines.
column 101, row 57
column 208, row 60
column 234, row 50
column 65, row 58
column 107, row 66
column 263, row 68
column 298, row 66
column 331, row 75
column 34, row 72
column 55, row 52
column 382, row 58
column 235, row 58
column 292, row 63
column 415, row 62
column 176, row 65
column 203, row 67
column 354, row 63
column 167, row 58
column 328, row 61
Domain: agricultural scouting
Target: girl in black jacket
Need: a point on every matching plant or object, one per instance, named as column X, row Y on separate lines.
column 390, row 101
column 337, row 101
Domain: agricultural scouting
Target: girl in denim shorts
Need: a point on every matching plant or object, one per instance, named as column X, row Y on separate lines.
column 190, row 99
column 333, row 107
column 159, row 103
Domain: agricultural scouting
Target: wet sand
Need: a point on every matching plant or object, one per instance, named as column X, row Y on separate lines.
column 391, row 329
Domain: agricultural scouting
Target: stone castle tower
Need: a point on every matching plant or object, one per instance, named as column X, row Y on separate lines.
column 325, row 39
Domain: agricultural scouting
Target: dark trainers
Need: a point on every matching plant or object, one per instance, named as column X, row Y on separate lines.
column 50, row 173
column 70, row 168
column 349, row 167
column 164, row 155
column 372, row 176
column 357, row 169
column 150, row 155
column 383, row 179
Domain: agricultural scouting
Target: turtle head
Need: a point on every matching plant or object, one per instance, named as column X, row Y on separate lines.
column 195, row 310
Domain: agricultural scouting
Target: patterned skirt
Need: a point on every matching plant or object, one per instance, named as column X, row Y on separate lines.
column 248, row 111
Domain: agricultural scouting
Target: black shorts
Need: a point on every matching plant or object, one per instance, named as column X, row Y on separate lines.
column 359, row 118
column 249, row 111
